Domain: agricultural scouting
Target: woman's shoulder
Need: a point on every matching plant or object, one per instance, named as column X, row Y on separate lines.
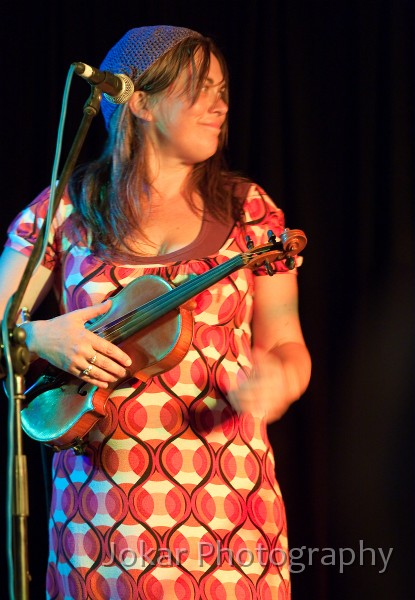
column 255, row 202
column 39, row 206
column 25, row 227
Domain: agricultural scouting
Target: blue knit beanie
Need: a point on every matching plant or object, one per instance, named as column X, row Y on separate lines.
column 138, row 50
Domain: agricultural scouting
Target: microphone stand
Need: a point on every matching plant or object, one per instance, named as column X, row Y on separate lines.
column 20, row 364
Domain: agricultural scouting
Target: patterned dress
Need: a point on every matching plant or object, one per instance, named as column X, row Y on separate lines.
column 176, row 495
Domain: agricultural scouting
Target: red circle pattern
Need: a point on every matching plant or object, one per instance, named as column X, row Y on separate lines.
column 176, row 492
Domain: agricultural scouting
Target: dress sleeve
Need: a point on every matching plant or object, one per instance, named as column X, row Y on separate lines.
column 262, row 215
column 24, row 229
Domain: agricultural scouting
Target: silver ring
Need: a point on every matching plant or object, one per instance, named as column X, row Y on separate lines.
column 93, row 359
column 86, row 372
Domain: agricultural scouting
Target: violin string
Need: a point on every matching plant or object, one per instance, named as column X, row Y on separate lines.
column 127, row 324
column 163, row 304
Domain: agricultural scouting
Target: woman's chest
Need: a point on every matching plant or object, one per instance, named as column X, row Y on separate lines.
column 87, row 281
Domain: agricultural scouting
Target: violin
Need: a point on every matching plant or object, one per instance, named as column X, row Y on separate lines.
column 153, row 323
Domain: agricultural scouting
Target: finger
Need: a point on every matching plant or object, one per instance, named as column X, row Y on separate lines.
column 101, row 353
column 113, row 360
column 93, row 381
column 94, row 373
column 109, row 367
column 99, row 384
column 90, row 312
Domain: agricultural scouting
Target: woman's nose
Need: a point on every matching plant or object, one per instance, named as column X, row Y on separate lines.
column 219, row 104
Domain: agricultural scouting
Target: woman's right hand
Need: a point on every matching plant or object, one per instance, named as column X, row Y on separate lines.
column 67, row 344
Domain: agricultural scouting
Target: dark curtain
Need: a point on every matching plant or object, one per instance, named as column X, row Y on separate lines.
column 322, row 117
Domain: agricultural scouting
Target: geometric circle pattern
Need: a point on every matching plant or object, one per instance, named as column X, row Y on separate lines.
column 176, row 495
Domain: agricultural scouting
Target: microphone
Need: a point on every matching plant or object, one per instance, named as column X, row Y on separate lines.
column 116, row 88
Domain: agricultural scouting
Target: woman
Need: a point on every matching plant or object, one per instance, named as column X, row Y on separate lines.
column 175, row 495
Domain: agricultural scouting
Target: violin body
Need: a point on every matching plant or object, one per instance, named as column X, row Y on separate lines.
column 152, row 322
column 62, row 409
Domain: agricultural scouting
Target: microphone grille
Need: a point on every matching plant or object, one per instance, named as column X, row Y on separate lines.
column 126, row 92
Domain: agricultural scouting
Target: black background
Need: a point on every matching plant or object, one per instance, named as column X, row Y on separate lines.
column 321, row 115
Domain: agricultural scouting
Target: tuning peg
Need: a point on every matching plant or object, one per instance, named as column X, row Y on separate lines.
column 249, row 242
column 271, row 236
column 290, row 263
column 271, row 240
column 269, row 268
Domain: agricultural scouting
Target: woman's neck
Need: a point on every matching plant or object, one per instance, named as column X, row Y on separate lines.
column 169, row 176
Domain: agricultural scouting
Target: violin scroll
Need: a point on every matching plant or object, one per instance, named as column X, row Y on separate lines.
column 292, row 242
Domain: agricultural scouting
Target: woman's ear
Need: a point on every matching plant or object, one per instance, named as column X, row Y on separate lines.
column 138, row 104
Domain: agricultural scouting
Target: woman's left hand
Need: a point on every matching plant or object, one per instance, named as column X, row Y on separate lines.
column 281, row 362
column 278, row 378
column 264, row 389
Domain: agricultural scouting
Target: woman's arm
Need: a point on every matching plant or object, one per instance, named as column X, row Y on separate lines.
column 63, row 341
column 12, row 266
column 282, row 365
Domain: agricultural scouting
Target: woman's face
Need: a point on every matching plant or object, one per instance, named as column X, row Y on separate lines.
column 187, row 133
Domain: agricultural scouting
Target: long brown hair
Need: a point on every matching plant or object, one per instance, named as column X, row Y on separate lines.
column 106, row 191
